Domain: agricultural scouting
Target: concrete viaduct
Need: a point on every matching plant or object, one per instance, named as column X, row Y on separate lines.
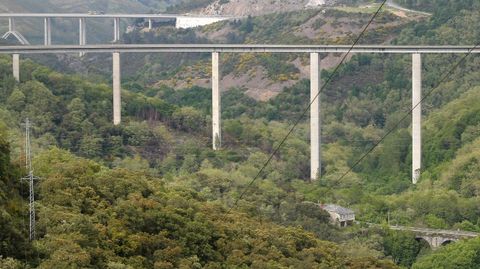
column 315, row 85
column 435, row 237
column 182, row 21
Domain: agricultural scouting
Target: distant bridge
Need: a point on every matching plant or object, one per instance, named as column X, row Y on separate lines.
column 315, row 80
column 435, row 237
column 181, row 21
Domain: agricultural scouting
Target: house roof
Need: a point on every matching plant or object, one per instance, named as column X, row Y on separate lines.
column 337, row 209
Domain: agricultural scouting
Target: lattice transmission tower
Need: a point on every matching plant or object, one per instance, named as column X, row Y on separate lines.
column 31, row 180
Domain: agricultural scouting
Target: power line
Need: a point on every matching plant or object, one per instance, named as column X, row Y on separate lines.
column 299, row 119
column 444, row 77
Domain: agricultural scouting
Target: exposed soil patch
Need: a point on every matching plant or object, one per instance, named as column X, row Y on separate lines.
column 259, row 7
column 324, row 27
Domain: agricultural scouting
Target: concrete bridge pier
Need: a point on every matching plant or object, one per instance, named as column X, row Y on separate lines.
column 11, row 24
column 82, row 33
column 47, row 31
column 416, row 117
column 117, row 102
column 150, row 24
column 315, row 120
column 116, row 29
column 216, row 103
column 16, row 66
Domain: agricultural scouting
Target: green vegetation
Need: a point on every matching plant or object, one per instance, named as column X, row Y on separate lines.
column 94, row 217
column 443, row 8
column 403, row 247
column 131, row 220
column 13, row 237
column 462, row 255
column 188, row 5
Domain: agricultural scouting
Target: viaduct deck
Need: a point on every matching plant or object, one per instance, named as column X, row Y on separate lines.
column 429, row 231
column 240, row 48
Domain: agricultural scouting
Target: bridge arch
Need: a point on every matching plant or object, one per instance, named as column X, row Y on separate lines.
column 436, row 237
column 424, row 242
column 435, row 241
column 447, row 242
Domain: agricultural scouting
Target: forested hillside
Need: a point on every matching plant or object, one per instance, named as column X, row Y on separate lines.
column 150, row 193
column 94, row 217
column 441, row 7
column 91, row 216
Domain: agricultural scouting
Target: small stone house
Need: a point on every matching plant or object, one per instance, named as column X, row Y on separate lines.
column 339, row 215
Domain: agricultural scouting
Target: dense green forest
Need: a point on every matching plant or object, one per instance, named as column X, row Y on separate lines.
column 150, row 193
column 90, row 215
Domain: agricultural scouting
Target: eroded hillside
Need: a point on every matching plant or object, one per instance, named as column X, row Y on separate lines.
column 258, row 7
column 263, row 76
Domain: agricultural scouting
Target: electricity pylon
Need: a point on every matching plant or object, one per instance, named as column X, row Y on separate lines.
column 31, row 178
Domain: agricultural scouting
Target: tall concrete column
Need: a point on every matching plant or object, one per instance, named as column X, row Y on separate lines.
column 117, row 102
column 116, row 29
column 16, row 66
column 47, row 25
column 315, row 122
column 216, row 103
column 82, row 33
column 416, row 117
column 11, row 24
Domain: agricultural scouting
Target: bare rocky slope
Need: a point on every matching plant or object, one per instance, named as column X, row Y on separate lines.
column 258, row 7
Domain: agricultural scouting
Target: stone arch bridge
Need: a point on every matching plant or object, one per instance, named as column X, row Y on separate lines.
column 436, row 237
